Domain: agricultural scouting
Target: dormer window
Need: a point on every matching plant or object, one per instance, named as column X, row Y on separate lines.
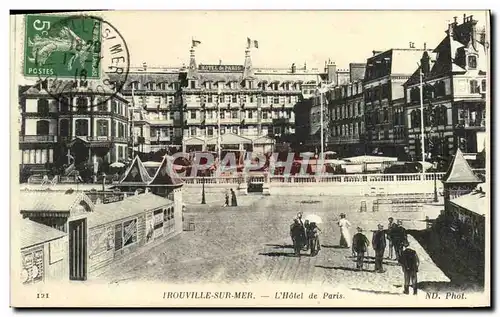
column 134, row 85
column 472, row 61
column 162, row 86
column 192, row 84
column 150, row 86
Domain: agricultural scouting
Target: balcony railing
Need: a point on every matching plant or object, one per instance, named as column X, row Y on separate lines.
column 468, row 124
column 37, row 138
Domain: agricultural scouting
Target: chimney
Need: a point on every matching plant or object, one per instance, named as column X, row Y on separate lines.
column 425, row 46
column 331, row 72
column 455, row 20
column 473, row 30
column 376, row 52
column 465, row 17
column 294, row 68
column 144, row 66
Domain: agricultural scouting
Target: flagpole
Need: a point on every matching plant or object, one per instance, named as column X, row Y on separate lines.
column 218, row 124
column 321, row 118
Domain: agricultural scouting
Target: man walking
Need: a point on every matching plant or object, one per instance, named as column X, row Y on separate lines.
column 378, row 244
column 409, row 262
column 391, row 246
column 359, row 246
column 398, row 237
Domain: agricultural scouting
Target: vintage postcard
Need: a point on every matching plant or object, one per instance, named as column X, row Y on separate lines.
column 250, row 159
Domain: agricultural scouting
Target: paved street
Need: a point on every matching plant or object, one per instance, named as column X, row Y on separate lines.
column 251, row 243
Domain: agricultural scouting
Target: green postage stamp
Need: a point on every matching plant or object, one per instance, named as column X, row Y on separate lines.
column 62, row 46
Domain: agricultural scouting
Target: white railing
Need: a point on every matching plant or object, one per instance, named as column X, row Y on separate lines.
column 213, row 180
column 359, row 178
column 304, row 179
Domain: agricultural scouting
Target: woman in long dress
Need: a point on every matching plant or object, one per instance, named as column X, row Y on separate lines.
column 345, row 235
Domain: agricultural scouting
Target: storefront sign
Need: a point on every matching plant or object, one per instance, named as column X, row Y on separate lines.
column 221, row 68
column 150, row 227
column 32, row 266
column 129, row 232
column 101, row 240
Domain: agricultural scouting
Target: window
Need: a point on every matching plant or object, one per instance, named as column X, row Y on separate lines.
column 210, row 131
column 252, row 98
column 193, row 84
column 234, row 130
column 42, row 127
column 264, row 115
column 221, row 98
column 192, row 131
column 134, row 85
column 250, row 114
column 472, row 61
column 474, row 88
column 81, row 127
column 102, row 127
column 276, row 99
column 64, row 127
column 150, row 86
column 209, row 98
column 82, row 103
column 234, row 114
column 222, row 114
column 222, row 130
column 264, row 99
column 114, row 106
column 193, row 114
column 43, row 106
column 102, row 104
column 121, row 130
column 483, row 85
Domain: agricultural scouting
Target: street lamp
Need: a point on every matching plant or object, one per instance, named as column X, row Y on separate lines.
column 203, row 202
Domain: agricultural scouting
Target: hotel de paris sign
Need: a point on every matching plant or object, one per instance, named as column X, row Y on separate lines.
column 221, row 68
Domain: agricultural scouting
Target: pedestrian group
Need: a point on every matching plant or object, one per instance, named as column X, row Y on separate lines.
column 305, row 236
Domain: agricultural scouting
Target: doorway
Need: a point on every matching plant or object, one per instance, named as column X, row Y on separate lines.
column 78, row 250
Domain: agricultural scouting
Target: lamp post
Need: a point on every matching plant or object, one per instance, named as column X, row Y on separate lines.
column 203, row 202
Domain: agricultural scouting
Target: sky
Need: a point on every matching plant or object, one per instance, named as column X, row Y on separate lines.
column 163, row 38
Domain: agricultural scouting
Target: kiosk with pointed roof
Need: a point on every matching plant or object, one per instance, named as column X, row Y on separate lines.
column 459, row 179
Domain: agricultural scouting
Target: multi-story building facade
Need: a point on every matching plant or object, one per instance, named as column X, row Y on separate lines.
column 82, row 128
column 347, row 120
column 333, row 77
column 386, row 72
column 254, row 107
column 454, row 85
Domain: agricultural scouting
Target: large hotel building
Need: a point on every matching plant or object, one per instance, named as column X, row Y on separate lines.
column 251, row 108
column 181, row 107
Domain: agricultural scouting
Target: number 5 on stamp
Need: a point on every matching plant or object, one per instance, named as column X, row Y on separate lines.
column 61, row 46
